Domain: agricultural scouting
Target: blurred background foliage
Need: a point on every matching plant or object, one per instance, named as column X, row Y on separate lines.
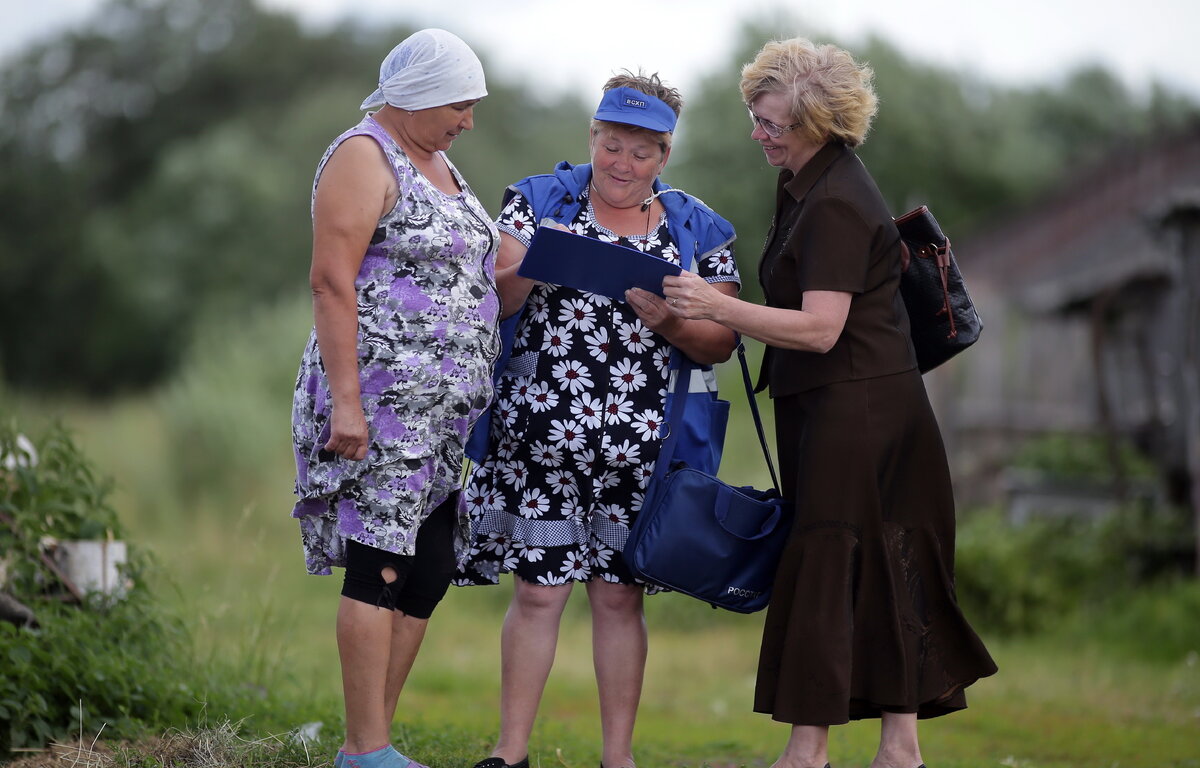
column 158, row 166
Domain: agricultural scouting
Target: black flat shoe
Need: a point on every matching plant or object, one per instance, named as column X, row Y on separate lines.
column 498, row 762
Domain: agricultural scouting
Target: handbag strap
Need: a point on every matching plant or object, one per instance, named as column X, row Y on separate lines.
column 762, row 435
column 683, row 379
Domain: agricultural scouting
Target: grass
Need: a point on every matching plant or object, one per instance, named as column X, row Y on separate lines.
column 218, row 746
column 230, row 564
column 1051, row 706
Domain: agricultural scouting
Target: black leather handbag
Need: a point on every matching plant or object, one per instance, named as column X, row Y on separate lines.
column 942, row 318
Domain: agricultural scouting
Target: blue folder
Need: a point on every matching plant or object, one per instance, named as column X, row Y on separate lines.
column 565, row 258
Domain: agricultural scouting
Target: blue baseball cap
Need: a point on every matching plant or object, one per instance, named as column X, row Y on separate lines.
column 632, row 107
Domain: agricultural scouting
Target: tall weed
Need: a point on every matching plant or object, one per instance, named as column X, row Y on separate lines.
column 226, row 415
column 120, row 666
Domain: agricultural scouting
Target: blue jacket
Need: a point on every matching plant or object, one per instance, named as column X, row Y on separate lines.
column 696, row 229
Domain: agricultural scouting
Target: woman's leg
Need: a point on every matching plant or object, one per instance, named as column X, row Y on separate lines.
column 807, row 747
column 425, row 584
column 364, row 636
column 407, row 634
column 527, row 645
column 898, row 747
column 619, row 654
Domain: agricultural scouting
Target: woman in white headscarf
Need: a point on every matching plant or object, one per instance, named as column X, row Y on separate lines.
column 396, row 370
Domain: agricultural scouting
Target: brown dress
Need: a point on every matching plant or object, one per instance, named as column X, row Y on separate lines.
column 863, row 617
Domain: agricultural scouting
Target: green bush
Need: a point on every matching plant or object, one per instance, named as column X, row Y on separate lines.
column 1045, row 573
column 122, row 665
column 52, row 492
column 1072, row 456
column 228, row 410
column 1017, row 579
column 1158, row 623
column 117, row 666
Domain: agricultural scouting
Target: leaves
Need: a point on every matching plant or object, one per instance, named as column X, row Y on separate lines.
column 89, row 669
column 58, row 497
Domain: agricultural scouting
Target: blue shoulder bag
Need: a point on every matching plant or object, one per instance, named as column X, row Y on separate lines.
column 698, row 535
column 699, row 427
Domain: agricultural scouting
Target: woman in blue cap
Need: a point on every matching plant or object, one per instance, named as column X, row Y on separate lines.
column 397, row 368
column 575, row 426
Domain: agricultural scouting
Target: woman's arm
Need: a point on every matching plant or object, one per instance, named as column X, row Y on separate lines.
column 815, row 328
column 354, row 191
column 513, row 288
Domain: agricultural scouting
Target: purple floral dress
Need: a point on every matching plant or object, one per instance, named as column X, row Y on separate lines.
column 576, row 423
column 427, row 310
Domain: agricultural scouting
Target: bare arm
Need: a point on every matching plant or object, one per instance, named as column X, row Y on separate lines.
column 513, row 288
column 815, row 328
column 355, row 189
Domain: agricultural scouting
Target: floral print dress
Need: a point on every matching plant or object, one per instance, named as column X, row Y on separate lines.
column 427, row 311
column 575, row 425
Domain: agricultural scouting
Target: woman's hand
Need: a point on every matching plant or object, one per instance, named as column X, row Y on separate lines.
column 552, row 224
column 703, row 341
column 651, row 310
column 348, row 433
column 690, row 296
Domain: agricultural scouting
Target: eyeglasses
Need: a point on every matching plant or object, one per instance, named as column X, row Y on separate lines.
column 772, row 130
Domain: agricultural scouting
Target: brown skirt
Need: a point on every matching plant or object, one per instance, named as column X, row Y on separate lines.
column 863, row 617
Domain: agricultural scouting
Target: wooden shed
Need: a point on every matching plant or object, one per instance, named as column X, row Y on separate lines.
column 1091, row 305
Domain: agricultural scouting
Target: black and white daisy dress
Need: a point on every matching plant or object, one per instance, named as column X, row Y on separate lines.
column 575, row 425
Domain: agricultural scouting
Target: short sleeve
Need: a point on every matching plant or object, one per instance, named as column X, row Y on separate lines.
column 719, row 267
column 517, row 219
column 832, row 246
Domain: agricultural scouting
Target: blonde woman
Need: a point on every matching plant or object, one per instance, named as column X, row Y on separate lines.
column 863, row 620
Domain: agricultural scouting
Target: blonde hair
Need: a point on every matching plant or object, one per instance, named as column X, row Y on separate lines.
column 832, row 96
column 650, row 85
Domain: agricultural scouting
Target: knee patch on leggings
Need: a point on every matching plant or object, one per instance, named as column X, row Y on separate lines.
column 364, row 580
column 421, row 579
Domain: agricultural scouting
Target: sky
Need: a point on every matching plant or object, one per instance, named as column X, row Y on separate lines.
column 1015, row 42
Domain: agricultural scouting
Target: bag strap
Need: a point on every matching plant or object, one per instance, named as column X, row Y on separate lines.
column 678, row 361
column 683, row 378
column 762, row 435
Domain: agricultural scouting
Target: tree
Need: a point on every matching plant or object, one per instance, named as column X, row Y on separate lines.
column 158, row 166
column 96, row 120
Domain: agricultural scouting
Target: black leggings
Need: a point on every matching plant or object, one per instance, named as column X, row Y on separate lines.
column 421, row 578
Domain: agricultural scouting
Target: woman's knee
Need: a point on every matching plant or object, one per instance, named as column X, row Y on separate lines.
column 535, row 598
column 373, row 575
column 617, row 599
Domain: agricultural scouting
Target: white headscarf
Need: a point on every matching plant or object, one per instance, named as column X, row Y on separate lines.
column 431, row 68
